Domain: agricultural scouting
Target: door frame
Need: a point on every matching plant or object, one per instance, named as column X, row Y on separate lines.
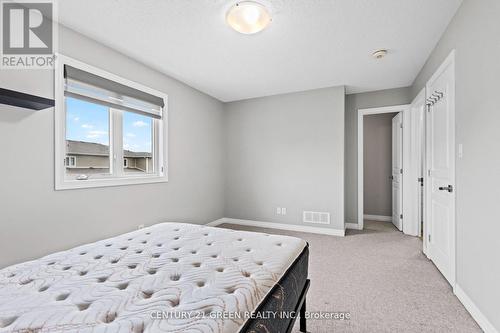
column 418, row 156
column 447, row 63
column 405, row 111
column 397, row 173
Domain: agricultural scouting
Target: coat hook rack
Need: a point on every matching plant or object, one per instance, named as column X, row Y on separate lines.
column 434, row 98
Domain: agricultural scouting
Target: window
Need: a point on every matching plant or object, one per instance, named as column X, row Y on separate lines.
column 70, row 162
column 109, row 131
column 137, row 143
column 87, row 136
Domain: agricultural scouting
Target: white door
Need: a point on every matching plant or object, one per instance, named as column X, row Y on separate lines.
column 414, row 205
column 397, row 171
column 440, row 183
column 419, row 166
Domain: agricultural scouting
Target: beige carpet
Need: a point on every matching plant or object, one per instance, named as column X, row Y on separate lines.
column 380, row 277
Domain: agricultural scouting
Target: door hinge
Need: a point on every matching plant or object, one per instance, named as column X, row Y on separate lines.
column 429, row 238
column 429, row 172
column 401, row 125
column 401, row 216
column 401, row 171
column 421, row 181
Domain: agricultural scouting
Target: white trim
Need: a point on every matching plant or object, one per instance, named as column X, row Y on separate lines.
column 379, row 218
column 405, row 109
column 281, row 226
column 353, row 226
column 160, row 131
column 474, row 311
column 216, row 222
column 104, row 182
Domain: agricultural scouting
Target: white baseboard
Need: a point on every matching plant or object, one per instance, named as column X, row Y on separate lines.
column 281, row 226
column 379, row 218
column 354, row 226
column 478, row 316
column 216, row 222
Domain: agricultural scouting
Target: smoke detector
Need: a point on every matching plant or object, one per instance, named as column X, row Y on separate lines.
column 379, row 54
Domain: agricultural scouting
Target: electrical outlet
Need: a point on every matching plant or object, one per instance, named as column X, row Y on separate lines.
column 278, row 211
column 140, row 226
column 283, row 211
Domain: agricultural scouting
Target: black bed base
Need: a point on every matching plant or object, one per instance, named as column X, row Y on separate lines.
column 301, row 306
column 288, row 295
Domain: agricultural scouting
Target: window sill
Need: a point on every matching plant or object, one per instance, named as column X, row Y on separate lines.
column 103, row 182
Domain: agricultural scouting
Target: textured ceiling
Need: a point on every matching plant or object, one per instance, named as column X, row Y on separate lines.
column 310, row 43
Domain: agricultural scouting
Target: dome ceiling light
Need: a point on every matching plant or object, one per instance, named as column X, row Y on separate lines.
column 248, row 17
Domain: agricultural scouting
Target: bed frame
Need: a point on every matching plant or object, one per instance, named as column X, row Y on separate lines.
column 302, row 306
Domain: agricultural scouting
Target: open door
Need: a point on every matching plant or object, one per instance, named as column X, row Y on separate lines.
column 413, row 206
column 397, row 171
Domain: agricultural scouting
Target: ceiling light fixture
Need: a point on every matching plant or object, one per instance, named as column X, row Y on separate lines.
column 379, row 54
column 248, row 17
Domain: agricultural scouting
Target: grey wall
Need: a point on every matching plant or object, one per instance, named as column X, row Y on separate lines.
column 286, row 151
column 36, row 220
column 377, row 164
column 353, row 103
column 473, row 33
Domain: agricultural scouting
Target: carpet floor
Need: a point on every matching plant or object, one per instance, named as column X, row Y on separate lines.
column 381, row 278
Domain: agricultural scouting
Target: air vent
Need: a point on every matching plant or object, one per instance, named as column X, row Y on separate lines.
column 317, row 217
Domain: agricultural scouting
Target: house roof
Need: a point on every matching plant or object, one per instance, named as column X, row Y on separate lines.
column 97, row 149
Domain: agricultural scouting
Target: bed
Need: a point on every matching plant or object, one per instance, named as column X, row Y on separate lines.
column 171, row 277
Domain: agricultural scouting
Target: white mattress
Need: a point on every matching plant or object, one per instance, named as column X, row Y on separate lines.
column 120, row 284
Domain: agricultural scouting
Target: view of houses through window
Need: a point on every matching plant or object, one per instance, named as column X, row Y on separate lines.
column 88, row 140
column 137, row 143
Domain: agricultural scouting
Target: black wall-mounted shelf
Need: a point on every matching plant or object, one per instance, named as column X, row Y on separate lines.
column 22, row 100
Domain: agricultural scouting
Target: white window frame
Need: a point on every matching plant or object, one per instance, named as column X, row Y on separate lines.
column 160, row 133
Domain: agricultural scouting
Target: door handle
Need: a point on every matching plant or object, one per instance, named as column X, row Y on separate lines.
column 448, row 188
